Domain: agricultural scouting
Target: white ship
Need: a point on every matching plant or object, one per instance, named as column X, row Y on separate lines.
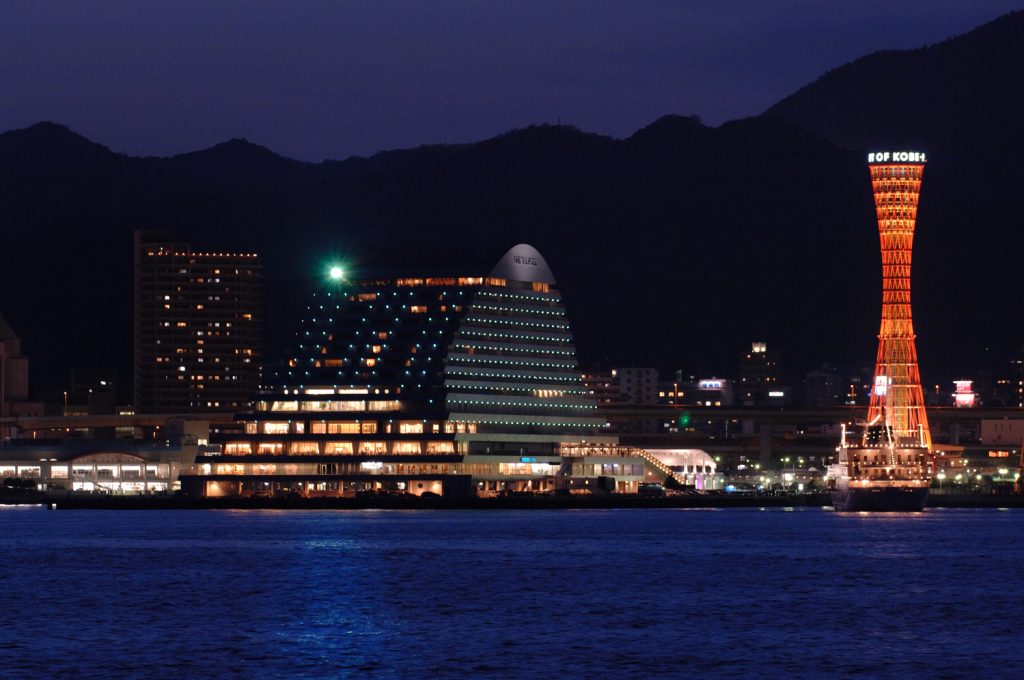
column 879, row 472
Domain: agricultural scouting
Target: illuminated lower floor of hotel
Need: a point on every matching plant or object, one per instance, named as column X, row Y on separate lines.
column 605, row 469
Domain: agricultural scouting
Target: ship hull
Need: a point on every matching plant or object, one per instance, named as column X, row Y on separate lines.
column 880, row 499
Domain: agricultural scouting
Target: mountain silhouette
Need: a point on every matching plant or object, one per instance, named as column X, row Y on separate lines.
column 675, row 247
column 954, row 98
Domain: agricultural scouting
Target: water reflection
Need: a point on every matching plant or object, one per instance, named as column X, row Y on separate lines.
column 622, row 593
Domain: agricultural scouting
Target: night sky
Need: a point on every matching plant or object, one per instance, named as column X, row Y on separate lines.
column 333, row 79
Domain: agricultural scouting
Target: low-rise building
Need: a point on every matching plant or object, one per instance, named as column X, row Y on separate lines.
column 115, row 466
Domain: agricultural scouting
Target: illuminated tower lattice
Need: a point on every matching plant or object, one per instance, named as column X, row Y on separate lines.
column 896, row 395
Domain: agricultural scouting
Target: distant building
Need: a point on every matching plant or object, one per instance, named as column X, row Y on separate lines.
column 638, row 386
column 688, row 390
column 964, row 395
column 603, row 387
column 1012, row 387
column 1002, row 431
column 671, row 392
column 14, row 391
column 628, row 386
column 710, row 392
column 108, row 466
column 92, row 392
column 824, row 387
column 198, row 327
column 759, row 375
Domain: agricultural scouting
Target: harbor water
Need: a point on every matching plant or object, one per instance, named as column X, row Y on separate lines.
column 588, row 593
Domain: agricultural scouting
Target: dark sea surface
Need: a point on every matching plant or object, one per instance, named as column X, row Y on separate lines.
column 589, row 593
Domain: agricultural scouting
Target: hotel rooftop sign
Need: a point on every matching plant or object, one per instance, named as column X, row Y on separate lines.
column 897, row 157
column 523, row 263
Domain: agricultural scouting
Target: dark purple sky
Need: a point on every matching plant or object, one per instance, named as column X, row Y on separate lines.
column 318, row 80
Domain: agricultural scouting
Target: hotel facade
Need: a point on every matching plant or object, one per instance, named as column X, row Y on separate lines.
column 450, row 385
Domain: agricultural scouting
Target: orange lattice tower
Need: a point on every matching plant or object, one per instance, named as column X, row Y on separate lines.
column 896, row 395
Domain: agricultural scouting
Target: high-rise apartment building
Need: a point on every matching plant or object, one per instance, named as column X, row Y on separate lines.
column 13, row 380
column 198, row 327
column 759, row 375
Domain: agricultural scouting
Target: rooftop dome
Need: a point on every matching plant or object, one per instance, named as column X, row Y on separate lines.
column 523, row 263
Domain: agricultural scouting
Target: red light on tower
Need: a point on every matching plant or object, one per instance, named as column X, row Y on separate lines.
column 896, row 182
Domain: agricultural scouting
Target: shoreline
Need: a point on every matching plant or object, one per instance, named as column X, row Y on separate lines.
column 65, row 502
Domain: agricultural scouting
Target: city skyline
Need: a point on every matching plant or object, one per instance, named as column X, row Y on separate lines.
column 721, row 275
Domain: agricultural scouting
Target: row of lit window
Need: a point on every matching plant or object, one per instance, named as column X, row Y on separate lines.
column 521, row 296
column 450, row 281
column 209, row 324
column 561, row 377
column 474, row 359
column 608, row 469
column 502, row 347
column 512, row 322
column 336, row 405
column 348, row 427
column 519, row 336
column 531, row 404
column 502, row 308
column 529, row 423
column 358, row 427
column 337, row 448
column 544, row 392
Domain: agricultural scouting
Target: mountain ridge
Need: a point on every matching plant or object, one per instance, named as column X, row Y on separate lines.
column 675, row 246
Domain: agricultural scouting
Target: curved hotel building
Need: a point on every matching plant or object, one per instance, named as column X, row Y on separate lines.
column 455, row 385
